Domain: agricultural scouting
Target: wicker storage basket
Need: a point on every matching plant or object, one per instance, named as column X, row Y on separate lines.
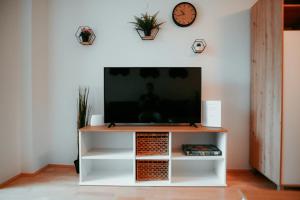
column 152, row 144
column 152, row 170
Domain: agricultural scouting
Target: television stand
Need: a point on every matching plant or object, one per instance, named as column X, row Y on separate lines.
column 111, row 125
column 194, row 125
column 150, row 156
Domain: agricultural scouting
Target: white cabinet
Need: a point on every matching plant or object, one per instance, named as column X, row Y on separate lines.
column 108, row 157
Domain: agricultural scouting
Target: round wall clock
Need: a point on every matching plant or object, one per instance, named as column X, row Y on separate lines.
column 184, row 14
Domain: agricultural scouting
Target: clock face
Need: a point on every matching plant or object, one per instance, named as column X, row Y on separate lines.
column 184, row 14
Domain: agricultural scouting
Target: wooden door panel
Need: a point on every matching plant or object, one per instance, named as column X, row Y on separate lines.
column 266, row 87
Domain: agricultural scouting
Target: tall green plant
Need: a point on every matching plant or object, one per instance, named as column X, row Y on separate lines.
column 83, row 111
column 146, row 23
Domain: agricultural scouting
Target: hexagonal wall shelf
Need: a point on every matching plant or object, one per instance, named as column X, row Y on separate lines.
column 199, row 46
column 150, row 37
column 85, row 35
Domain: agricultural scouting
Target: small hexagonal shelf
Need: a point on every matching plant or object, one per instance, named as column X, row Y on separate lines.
column 199, row 46
column 85, row 35
column 149, row 37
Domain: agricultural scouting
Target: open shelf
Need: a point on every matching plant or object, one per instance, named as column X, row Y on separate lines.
column 198, row 172
column 291, row 5
column 207, row 179
column 108, row 172
column 107, row 146
column 179, row 155
column 152, row 183
column 108, row 177
column 291, row 2
column 154, row 157
column 179, row 139
column 292, row 16
column 116, row 153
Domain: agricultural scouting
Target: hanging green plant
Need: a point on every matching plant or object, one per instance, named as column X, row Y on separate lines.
column 147, row 23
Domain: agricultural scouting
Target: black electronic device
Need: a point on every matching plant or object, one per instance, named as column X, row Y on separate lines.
column 152, row 95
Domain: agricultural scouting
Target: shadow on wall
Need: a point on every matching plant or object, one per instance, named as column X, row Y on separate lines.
column 235, row 76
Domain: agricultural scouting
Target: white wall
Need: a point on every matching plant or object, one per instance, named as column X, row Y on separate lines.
column 9, row 89
column 226, row 62
column 42, row 66
column 40, row 90
column 35, row 137
column 26, row 86
column 24, row 138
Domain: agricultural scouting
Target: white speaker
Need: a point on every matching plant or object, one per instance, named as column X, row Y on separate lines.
column 96, row 120
column 211, row 113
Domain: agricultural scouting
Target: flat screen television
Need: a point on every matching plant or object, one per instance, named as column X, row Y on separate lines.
column 158, row 95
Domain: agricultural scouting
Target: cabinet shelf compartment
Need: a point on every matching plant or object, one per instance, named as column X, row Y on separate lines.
column 154, row 157
column 107, row 146
column 152, row 170
column 179, row 155
column 151, row 144
column 110, row 154
column 198, row 173
column 178, row 139
column 292, row 14
column 291, row 2
column 108, row 172
column 292, row 17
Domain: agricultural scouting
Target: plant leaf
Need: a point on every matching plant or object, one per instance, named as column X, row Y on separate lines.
column 146, row 22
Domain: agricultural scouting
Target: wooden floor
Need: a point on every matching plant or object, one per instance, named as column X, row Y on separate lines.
column 62, row 183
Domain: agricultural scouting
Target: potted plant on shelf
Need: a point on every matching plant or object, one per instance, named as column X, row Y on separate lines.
column 83, row 112
column 148, row 25
column 85, row 34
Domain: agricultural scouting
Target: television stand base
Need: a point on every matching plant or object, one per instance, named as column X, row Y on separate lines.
column 116, row 148
column 194, row 125
column 111, row 125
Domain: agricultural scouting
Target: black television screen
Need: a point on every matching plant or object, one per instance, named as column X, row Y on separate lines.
column 152, row 95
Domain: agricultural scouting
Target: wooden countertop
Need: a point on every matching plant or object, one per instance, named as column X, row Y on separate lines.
column 179, row 128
